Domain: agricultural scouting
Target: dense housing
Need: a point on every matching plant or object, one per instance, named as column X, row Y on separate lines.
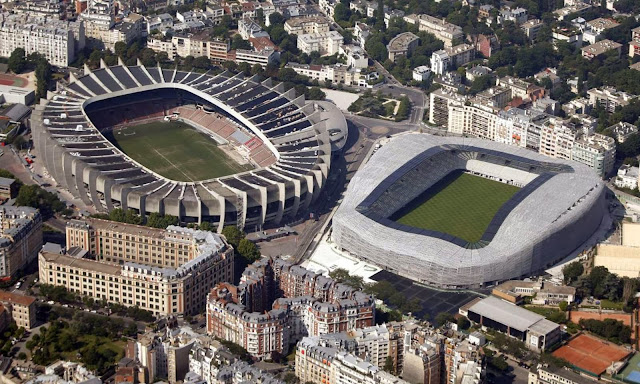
column 277, row 303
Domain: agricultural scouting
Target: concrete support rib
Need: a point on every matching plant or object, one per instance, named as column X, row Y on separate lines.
column 106, row 190
column 101, row 174
column 79, row 170
column 310, row 190
column 93, row 182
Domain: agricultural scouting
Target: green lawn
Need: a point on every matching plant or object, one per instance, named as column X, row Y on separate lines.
column 460, row 204
column 175, row 150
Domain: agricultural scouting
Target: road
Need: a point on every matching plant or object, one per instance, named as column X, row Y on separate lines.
column 396, row 89
column 363, row 133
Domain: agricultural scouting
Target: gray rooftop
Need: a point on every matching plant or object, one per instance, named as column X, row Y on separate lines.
column 506, row 313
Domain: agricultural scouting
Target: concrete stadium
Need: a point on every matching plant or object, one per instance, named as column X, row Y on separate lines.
column 286, row 140
column 559, row 206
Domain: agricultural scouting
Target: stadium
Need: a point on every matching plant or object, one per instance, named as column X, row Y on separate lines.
column 466, row 213
column 221, row 148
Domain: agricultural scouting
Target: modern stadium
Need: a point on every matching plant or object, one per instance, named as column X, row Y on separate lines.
column 466, row 213
column 225, row 148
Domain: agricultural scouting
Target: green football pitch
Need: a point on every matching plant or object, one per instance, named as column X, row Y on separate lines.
column 460, row 204
column 175, row 150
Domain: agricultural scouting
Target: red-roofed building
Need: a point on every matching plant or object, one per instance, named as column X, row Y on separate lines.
column 21, row 308
column 262, row 43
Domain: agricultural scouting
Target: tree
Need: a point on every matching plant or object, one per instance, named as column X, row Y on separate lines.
column 17, row 61
column 276, row 19
column 117, row 214
column 249, row 250
column 563, row 305
column 34, row 196
column 463, row 323
column 499, row 363
column 287, row 75
column 291, row 378
column 389, row 365
column 572, row 271
column 120, row 49
column 202, row 62
column 315, row 93
column 43, row 77
column 131, row 217
column 343, row 276
column 239, row 43
column 443, row 318
column 233, row 235
column 341, row 13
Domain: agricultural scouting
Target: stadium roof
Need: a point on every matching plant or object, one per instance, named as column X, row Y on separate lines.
column 525, row 239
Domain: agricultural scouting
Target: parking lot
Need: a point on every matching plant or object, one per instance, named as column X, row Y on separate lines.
column 433, row 301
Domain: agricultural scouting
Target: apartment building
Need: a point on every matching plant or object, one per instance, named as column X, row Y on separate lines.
column 520, row 127
column 420, row 354
column 440, row 62
column 21, row 238
column 517, row 15
column 608, row 98
column 557, row 139
column 461, row 54
column 621, row 131
column 337, row 73
column 597, row 151
column 196, row 45
column 594, row 29
column 634, row 44
column 440, row 103
column 160, row 23
column 497, row 96
column 325, row 43
column 444, row 31
column 600, row 48
column 165, row 354
column 576, row 9
column 248, row 28
column 306, row 24
column 163, row 271
column 54, row 39
column 21, row 308
column 531, row 28
column 277, row 303
column 402, row 45
column 262, row 58
column 572, row 36
column 316, row 364
column 98, row 19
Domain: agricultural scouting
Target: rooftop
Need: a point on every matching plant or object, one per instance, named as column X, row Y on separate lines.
column 9, row 297
column 602, row 23
column 402, row 41
column 600, row 47
column 90, row 265
column 506, row 313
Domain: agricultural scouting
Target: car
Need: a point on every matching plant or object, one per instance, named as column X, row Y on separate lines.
column 50, row 302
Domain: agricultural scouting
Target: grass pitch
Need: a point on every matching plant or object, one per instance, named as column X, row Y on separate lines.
column 460, row 204
column 175, row 150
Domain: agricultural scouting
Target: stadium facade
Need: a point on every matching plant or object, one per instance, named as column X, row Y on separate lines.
column 559, row 206
column 286, row 139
